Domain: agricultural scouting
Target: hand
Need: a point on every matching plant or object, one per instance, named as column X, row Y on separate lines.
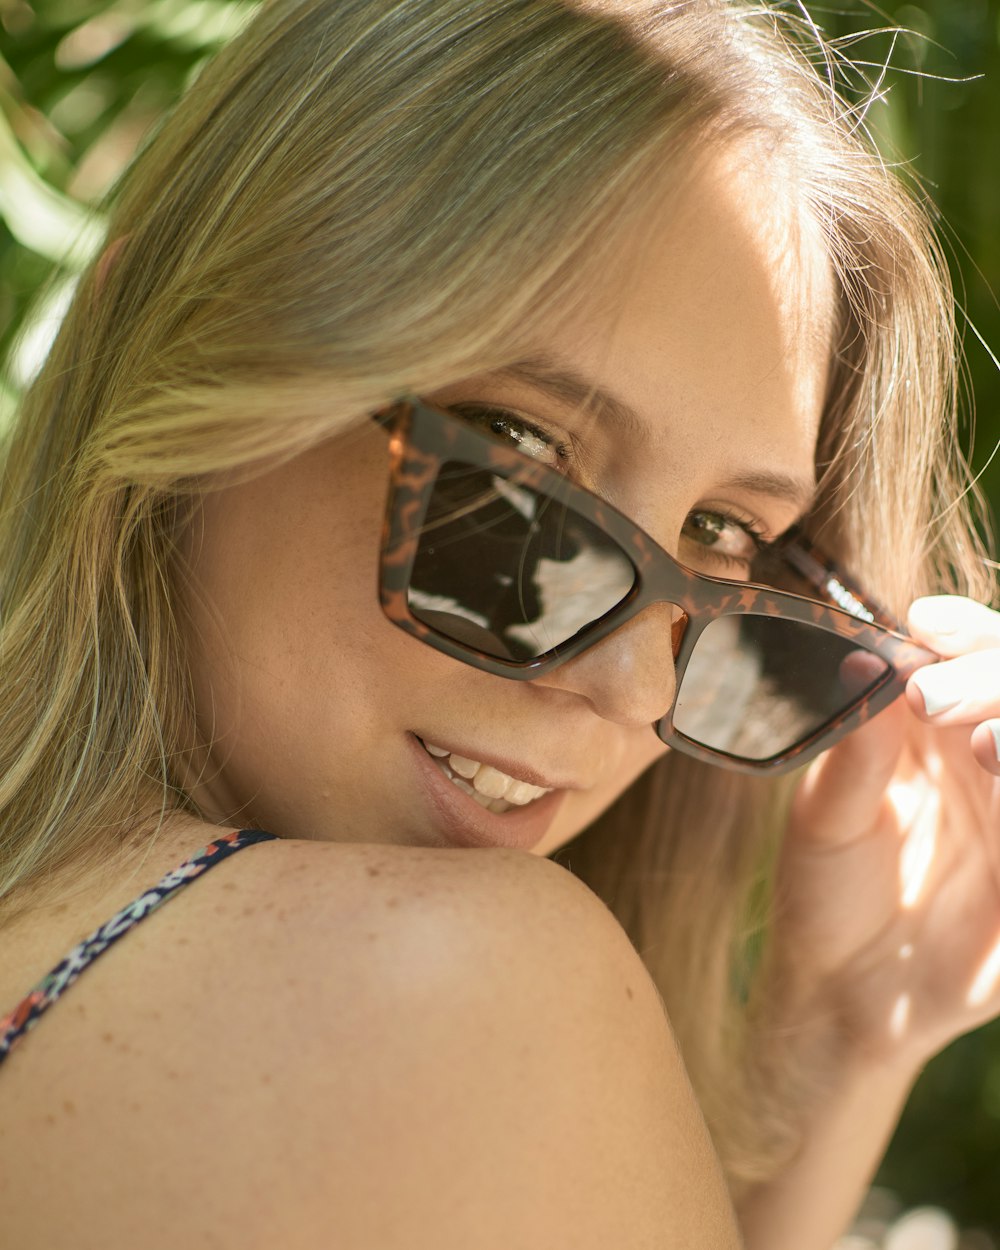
column 888, row 925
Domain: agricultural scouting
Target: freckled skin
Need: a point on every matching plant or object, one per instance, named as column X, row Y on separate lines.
column 311, row 693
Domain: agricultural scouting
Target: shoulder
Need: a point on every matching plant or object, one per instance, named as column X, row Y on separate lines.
column 390, row 943
column 486, row 1061
column 396, row 1047
column 391, row 912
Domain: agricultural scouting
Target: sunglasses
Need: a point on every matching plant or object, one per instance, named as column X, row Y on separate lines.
column 500, row 561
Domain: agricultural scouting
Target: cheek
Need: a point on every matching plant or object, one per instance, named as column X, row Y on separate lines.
column 580, row 810
column 284, row 620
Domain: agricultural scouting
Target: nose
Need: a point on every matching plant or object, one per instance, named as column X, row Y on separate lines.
column 628, row 677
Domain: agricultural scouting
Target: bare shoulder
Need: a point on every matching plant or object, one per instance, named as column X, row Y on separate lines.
column 371, row 1046
column 488, row 1064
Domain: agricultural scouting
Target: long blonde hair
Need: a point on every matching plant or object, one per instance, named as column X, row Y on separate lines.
column 371, row 197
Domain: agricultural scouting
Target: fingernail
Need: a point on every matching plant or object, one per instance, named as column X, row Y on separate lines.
column 937, row 614
column 938, row 692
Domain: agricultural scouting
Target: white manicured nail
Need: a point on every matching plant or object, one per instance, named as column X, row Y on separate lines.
column 939, row 693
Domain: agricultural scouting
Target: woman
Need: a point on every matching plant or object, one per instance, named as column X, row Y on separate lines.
column 376, row 495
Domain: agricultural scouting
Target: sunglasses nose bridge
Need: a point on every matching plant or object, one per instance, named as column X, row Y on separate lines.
column 678, row 628
column 628, row 675
column 679, row 619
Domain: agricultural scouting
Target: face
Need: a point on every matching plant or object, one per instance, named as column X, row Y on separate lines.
column 714, row 332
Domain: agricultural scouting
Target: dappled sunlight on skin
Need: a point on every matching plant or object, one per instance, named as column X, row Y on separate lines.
column 900, row 1017
column 987, row 977
column 918, row 811
column 905, row 798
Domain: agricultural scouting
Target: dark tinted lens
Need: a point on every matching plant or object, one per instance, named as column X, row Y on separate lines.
column 756, row 686
column 508, row 571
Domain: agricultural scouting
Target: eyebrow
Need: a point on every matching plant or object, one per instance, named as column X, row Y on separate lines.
column 563, row 383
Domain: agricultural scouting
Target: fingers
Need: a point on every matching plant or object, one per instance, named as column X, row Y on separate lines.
column 952, row 625
column 965, row 687
column 986, row 745
column 841, row 793
column 959, row 691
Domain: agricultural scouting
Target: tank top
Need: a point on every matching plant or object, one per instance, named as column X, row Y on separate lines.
column 29, row 1010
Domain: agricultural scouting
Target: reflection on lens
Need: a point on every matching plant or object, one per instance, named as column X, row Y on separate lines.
column 508, row 571
column 756, row 686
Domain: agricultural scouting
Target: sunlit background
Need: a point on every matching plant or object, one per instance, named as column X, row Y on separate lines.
column 82, row 82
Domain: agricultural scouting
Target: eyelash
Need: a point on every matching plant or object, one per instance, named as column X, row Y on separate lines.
column 728, row 563
column 493, row 416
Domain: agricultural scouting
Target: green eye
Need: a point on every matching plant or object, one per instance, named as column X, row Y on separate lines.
column 726, row 544
column 706, row 527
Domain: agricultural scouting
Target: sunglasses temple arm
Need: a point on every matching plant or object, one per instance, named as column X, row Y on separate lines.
column 834, row 587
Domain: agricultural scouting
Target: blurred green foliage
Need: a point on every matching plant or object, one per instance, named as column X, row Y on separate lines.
column 81, row 84
column 83, row 81
column 938, row 113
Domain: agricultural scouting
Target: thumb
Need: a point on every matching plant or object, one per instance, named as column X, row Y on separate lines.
column 841, row 795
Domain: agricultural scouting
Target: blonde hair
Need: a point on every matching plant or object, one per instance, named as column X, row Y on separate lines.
column 361, row 199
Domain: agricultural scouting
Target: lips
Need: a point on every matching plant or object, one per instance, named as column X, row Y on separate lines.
column 461, row 821
column 514, row 769
column 491, row 788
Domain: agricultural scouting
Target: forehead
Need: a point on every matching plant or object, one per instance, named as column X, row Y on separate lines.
column 717, row 320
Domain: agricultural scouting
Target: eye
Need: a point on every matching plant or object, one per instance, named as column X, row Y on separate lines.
column 527, row 436
column 728, row 544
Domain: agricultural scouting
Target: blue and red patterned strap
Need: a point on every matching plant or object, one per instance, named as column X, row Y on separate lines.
column 28, row 1012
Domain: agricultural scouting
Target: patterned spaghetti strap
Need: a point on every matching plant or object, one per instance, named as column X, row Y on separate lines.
column 28, row 1012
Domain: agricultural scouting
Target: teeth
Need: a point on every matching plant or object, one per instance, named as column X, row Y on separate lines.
column 491, row 805
column 521, row 792
column 490, row 787
column 490, row 781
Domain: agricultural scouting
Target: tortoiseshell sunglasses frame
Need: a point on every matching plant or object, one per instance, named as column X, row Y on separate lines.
column 423, row 437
